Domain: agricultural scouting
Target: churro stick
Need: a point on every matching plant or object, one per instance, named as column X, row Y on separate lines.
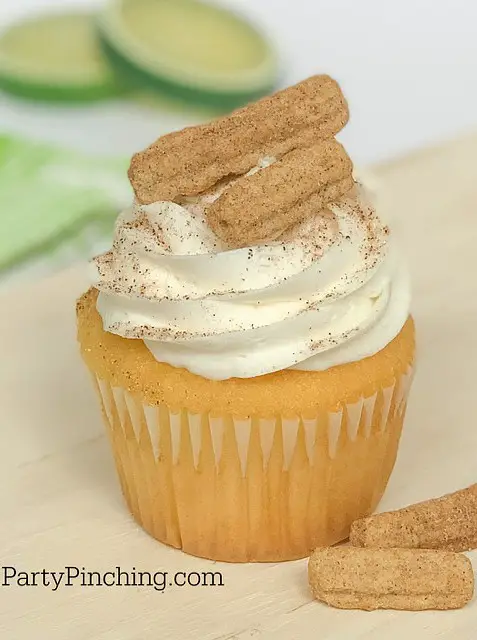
column 406, row 579
column 191, row 161
column 265, row 204
column 449, row 522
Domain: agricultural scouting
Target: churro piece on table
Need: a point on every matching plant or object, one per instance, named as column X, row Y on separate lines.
column 403, row 579
column 448, row 522
column 191, row 161
column 263, row 205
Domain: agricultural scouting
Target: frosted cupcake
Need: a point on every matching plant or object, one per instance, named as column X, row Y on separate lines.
column 249, row 335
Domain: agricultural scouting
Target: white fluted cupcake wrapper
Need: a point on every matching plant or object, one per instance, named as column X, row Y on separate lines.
column 351, row 417
column 270, row 488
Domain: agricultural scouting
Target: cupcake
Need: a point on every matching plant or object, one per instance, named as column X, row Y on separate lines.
column 249, row 334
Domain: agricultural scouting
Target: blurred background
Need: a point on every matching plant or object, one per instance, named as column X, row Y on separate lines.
column 83, row 85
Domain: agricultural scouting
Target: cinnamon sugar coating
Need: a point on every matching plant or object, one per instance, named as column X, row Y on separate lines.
column 191, row 161
column 265, row 204
column 449, row 522
column 403, row 579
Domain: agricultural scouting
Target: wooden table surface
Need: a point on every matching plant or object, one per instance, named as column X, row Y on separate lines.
column 60, row 503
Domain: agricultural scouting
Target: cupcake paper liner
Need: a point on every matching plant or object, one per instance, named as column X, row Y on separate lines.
column 253, row 488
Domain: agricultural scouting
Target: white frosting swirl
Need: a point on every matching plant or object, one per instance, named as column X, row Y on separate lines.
column 329, row 292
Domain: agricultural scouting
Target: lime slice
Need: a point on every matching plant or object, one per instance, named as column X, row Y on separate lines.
column 188, row 49
column 55, row 57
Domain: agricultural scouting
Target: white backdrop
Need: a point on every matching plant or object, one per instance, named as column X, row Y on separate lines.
column 408, row 67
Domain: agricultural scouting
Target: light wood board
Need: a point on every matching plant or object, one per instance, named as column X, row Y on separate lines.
column 60, row 503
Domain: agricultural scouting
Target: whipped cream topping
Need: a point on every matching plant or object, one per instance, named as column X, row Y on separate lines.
column 330, row 291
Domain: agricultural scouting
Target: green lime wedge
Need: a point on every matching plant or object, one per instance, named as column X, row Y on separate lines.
column 55, row 57
column 188, row 49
